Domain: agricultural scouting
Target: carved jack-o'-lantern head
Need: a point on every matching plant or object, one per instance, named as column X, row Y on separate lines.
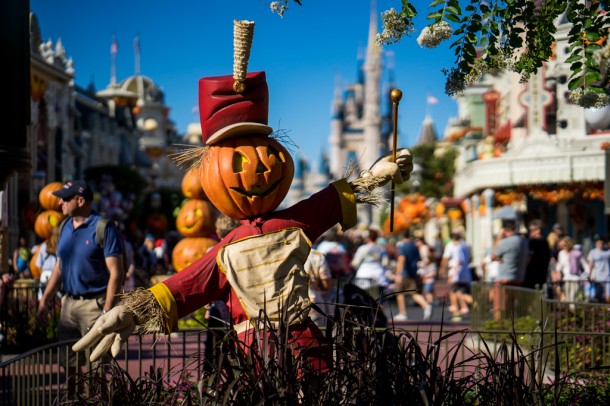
column 244, row 173
column 246, row 177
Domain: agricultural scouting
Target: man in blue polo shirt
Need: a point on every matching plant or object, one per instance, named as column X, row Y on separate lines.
column 89, row 276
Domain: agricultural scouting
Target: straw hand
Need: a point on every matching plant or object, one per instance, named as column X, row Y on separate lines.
column 108, row 333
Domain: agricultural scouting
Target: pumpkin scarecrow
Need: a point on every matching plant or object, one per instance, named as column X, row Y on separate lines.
column 257, row 269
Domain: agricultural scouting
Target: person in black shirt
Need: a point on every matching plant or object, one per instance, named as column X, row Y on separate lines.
column 536, row 272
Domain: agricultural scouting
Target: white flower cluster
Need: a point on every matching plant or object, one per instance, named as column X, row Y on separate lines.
column 279, row 7
column 394, row 27
column 589, row 99
column 434, row 34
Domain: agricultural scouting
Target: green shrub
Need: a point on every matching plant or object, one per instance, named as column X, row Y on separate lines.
column 583, row 335
column 194, row 320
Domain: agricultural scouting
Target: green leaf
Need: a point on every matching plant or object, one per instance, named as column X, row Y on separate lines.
column 592, row 36
column 475, row 26
column 471, row 37
column 576, row 65
column 515, row 42
column 591, row 77
column 455, row 4
column 453, row 10
column 436, row 3
column 573, row 58
column 453, row 18
column 435, row 15
column 408, row 10
column 464, row 65
column 573, row 84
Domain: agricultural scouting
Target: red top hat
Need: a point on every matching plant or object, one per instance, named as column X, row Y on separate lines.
column 225, row 113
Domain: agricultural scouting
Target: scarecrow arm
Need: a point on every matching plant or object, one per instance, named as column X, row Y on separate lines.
column 380, row 173
column 138, row 308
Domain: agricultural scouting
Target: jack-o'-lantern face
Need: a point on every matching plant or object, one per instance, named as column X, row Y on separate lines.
column 189, row 250
column 196, row 219
column 246, row 177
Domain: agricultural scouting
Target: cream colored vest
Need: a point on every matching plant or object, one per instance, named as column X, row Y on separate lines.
column 266, row 271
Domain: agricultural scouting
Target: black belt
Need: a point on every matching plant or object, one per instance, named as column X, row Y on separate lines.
column 86, row 296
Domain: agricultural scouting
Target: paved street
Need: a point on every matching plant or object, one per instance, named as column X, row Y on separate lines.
column 440, row 314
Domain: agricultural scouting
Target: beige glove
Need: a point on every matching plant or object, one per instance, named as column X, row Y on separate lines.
column 110, row 330
column 397, row 172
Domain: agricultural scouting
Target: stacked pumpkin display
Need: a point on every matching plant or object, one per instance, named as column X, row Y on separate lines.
column 48, row 219
column 195, row 221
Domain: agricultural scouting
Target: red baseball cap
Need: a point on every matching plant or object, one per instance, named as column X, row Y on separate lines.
column 225, row 113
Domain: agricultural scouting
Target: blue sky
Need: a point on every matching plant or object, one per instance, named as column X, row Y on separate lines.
column 303, row 54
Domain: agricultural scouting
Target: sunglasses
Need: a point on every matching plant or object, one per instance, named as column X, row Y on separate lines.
column 69, row 199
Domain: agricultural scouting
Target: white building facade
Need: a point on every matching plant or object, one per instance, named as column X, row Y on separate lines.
column 527, row 146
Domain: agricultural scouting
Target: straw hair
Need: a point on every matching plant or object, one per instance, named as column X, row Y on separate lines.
column 243, row 32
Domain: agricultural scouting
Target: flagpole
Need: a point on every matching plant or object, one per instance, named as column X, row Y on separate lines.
column 136, row 52
column 114, row 48
column 396, row 95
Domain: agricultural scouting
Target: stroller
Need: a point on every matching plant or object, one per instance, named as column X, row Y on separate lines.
column 364, row 305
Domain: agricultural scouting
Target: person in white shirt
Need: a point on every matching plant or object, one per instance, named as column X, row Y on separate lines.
column 456, row 261
column 46, row 259
column 368, row 262
column 322, row 287
column 599, row 263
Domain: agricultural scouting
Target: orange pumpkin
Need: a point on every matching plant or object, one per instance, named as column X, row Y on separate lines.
column 246, row 177
column 46, row 222
column 454, row 214
column 189, row 250
column 440, row 210
column 47, row 199
column 196, row 219
column 191, row 186
column 34, row 270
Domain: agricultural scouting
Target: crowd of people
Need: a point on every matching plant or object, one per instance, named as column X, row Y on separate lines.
column 386, row 268
column 569, row 271
column 406, row 269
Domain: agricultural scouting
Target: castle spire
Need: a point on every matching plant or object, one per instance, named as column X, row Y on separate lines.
column 373, row 50
column 371, row 114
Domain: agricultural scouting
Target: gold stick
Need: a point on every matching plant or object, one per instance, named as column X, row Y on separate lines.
column 396, row 95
